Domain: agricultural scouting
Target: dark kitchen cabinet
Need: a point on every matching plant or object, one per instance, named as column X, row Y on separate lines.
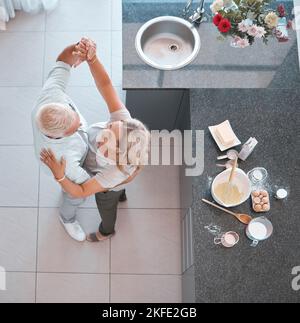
column 158, row 109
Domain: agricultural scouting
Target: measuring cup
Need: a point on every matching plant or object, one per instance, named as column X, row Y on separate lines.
column 228, row 239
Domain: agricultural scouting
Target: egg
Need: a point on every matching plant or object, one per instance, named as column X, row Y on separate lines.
column 266, row 207
column 256, row 194
column 265, row 194
column 257, row 208
column 257, row 200
column 265, row 200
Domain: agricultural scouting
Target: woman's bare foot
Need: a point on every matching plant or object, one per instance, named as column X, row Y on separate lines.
column 97, row 237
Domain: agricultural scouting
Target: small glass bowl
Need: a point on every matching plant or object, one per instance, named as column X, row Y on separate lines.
column 258, row 175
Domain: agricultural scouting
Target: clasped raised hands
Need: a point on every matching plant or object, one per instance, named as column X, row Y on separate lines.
column 85, row 50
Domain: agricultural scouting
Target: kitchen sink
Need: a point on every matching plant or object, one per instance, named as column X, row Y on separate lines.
column 168, row 43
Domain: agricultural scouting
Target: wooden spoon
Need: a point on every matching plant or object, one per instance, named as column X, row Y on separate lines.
column 244, row 218
column 230, row 187
column 234, row 167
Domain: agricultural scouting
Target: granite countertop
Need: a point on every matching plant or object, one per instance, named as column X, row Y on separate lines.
column 243, row 273
column 218, row 65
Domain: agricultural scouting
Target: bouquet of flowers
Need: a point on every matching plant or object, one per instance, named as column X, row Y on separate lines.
column 246, row 20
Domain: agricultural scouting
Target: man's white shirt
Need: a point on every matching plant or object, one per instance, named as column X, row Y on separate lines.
column 74, row 148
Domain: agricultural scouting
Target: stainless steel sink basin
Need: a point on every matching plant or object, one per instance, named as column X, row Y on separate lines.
column 168, row 43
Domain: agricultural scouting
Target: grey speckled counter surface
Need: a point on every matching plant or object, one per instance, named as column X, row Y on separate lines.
column 218, row 65
column 245, row 274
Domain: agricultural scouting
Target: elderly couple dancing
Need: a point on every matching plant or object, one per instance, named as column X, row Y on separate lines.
column 97, row 160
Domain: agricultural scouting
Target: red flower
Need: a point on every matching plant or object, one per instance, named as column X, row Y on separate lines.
column 217, row 19
column 281, row 11
column 224, row 26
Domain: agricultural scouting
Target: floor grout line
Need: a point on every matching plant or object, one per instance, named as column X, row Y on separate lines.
column 111, row 42
column 87, row 273
column 18, row 207
column 39, row 87
column 55, row 31
column 37, row 238
column 110, row 275
column 39, row 179
column 111, row 73
column 86, row 208
column 146, row 274
column 14, row 145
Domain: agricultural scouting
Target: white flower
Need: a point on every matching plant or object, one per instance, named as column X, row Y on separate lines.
column 248, row 22
column 242, row 43
column 271, row 20
column 245, row 25
column 242, row 27
column 217, row 6
column 252, row 31
column 260, row 32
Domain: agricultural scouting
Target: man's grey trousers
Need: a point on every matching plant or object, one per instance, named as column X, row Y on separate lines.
column 68, row 209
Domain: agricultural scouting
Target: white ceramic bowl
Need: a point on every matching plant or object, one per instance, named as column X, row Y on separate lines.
column 240, row 179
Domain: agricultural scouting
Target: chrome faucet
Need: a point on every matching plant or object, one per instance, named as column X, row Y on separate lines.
column 198, row 16
column 187, row 8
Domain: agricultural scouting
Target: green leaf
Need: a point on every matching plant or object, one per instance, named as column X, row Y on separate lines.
column 221, row 38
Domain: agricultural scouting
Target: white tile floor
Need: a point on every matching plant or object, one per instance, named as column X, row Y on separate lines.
column 142, row 262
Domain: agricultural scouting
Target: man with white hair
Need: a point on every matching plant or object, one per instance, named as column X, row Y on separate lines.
column 59, row 126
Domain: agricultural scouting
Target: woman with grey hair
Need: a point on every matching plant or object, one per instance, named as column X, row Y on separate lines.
column 118, row 150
